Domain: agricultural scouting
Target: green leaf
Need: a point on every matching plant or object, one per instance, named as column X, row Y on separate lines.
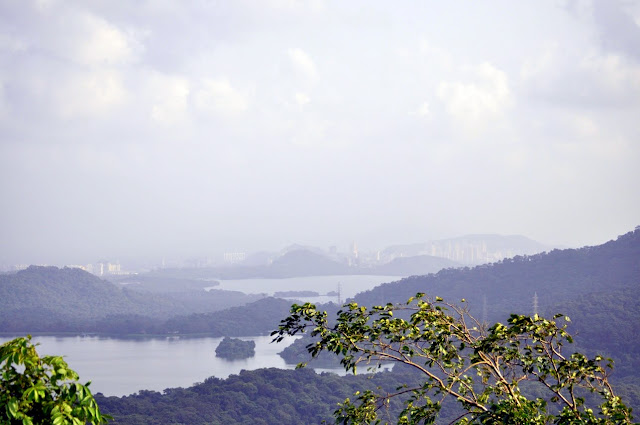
column 12, row 406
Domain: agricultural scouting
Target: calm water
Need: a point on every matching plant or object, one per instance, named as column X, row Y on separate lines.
column 125, row 366
column 349, row 285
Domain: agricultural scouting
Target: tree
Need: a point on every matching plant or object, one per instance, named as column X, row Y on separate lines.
column 504, row 374
column 42, row 390
column 234, row 348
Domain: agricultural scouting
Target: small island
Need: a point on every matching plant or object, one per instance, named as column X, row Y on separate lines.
column 298, row 353
column 235, row 349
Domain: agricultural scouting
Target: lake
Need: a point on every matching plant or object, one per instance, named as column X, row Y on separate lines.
column 124, row 366
column 349, row 286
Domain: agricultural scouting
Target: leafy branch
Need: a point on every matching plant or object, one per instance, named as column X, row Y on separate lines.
column 480, row 368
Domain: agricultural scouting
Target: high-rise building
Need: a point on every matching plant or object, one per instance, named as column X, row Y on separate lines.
column 234, row 257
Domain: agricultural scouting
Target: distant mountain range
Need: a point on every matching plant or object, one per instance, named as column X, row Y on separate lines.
column 463, row 250
column 399, row 260
column 304, row 262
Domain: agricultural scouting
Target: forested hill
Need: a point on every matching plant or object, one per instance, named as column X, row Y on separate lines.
column 49, row 299
column 264, row 397
column 597, row 287
column 499, row 289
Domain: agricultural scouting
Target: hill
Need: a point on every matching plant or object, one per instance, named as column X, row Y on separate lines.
column 49, row 299
column 299, row 262
column 597, row 287
column 264, row 396
column 417, row 265
column 293, row 263
column 303, row 262
column 509, row 286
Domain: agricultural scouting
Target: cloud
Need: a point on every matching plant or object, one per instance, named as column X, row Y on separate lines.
column 9, row 43
column 374, row 115
column 99, row 43
column 66, row 62
column 169, row 98
column 584, row 126
column 436, row 55
column 302, row 62
column 217, row 96
column 302, row 98
column 88, row 93
column 79, row 36
column 310, row 132
column 313, row 5
column 423, row 110
column 3, row 103
column 613, row 76
column 474, row 104
column 583, row 78
column 619, row 29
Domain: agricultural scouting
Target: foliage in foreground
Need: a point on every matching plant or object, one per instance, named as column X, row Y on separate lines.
column 42, row 390
column 485, row 370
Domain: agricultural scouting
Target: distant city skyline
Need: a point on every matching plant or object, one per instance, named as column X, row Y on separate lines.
column 465, row 250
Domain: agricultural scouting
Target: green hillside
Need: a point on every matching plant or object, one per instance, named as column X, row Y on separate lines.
column 49, row 299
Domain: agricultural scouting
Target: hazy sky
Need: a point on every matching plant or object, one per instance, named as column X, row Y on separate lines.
column 184, row 128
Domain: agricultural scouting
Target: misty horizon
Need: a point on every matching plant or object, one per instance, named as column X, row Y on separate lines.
column 495, row 247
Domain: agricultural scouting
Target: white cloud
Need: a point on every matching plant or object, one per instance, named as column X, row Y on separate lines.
column 617, row 76
column 581, row 78
column 84, row 38
column 540, row 64
column 100, row 43
column 169, row 98
column 473, row 104
column 436, row 55
column 219, row 97
column 423, row 110
column 303, row 63
column 302, row 98
column 310, row 132
column 313, row 5
column 585, row 126
column 89, row 94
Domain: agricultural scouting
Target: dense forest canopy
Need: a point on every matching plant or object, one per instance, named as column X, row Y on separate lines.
column 517, row 372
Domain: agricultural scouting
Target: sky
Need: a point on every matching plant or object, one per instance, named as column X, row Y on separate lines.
column 177, row 129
